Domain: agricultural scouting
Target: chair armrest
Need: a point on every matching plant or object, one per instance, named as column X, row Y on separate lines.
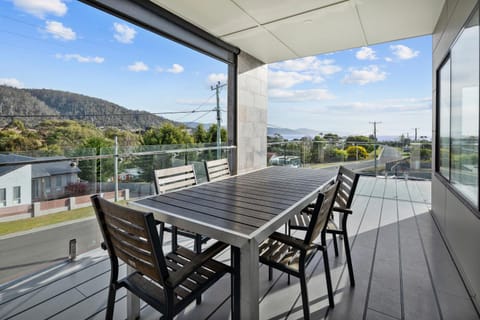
column 177, row 277
column 342, row 210
column 291, row 241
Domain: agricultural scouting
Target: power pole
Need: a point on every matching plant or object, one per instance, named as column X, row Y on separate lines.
column 219, row 117
column 375, row 144
column 416, row 133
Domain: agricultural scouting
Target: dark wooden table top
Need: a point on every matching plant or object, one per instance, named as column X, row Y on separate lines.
column 245, row 206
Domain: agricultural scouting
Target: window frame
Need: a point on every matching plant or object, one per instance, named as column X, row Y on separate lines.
column 474, row 208
column 3, row 202
column 17, row 200
column 437, row 120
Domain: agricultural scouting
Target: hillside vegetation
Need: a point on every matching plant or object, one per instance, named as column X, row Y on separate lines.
column 100, row 113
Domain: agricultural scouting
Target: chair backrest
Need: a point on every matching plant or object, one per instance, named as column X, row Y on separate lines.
column 217, row 169
column 131, row 236
column 321, row 212
column 348, row 183
column 174, row 178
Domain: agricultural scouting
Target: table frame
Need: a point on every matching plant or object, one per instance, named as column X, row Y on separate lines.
column 305, row 183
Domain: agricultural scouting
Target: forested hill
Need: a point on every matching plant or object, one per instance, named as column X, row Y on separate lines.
column 74, row 106
column 16, row 101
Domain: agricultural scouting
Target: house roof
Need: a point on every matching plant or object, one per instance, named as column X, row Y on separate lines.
column 7, row 158
column 277, row 30
column 51, row 169
column 38, row 169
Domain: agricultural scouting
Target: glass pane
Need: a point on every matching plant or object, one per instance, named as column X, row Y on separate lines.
column 444, row 117
column 465, row 113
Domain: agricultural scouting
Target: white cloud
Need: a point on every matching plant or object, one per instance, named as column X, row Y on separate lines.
column 214, row 78
column 289, row 73
column 365, row 75
column 403, row 52
column 403, row 105
column 79, row 58
column 388, row 59
column 123, row 33
column 138, row 66
column 366, row 53
column 40, row 8
column 300, row 95
column 176, row 68
column 308, row 64
column 59, row 31
column 284, row 79
column 11, row 82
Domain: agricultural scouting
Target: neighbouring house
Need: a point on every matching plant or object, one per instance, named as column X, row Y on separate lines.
column 15, row 182
column 130, row 174
column 24, row 184
column 15, row 186
column 50, row 179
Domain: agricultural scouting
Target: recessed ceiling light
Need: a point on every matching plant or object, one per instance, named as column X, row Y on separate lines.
column 308, row 21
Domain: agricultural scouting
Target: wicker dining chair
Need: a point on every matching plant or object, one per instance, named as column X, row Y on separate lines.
column 292, row 255
column 217, row 169
column 169, row 283
column 348, row 183
column 172, row 179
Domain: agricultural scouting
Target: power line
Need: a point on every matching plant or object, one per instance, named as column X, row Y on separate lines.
column 199, row 106
column 132, row 114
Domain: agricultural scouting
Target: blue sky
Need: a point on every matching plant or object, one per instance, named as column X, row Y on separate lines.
column 66, row 45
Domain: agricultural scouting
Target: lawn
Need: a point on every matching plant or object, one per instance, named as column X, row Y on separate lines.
column 46, row 220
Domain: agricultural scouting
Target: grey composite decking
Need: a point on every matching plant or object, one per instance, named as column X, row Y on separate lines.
column 402, row 268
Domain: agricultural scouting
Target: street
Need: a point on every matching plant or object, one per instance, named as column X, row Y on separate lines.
column 33, row 251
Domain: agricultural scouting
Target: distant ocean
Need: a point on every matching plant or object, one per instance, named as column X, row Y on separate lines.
column 294, row 136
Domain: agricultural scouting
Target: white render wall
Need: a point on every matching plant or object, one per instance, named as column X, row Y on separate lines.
column 21, row 177
column 252, row 106
column 459, row 225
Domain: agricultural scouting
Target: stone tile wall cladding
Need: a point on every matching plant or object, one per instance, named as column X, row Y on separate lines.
column 252, row 105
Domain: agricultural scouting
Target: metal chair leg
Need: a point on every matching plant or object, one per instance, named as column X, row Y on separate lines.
column 198, row 249
column 111, row 301
column 174, row 239
column 327, row 270
column 305, row 302
column 349, row 259
column 270, row 273
column 335, row 244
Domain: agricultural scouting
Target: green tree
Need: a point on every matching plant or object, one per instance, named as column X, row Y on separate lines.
column 212, row 134
column 125, row 138
column 104, row 167
column 66, row 133
column 167, row 134
column 331, row 137
column 200, row 135
column 16, row 137
column 356, row 151
column 360, row 140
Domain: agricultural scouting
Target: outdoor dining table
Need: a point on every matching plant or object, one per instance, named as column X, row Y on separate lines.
column 242, row 211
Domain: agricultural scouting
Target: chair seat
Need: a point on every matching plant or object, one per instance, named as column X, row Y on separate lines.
column 153, row 293
column 282, row 256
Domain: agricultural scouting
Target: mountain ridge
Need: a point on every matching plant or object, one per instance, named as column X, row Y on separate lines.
column 42, row 102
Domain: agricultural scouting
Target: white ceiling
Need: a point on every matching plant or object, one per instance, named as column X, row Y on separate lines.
column 276, row 30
